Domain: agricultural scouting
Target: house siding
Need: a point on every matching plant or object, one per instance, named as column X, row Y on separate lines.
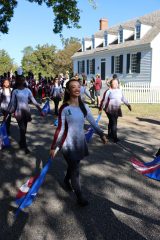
column 145, row 68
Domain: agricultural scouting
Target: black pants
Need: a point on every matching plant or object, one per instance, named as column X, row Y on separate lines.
column 92, row 92
column 23, row 129
column 56, row 104
column 112, row 126
column 73, row 175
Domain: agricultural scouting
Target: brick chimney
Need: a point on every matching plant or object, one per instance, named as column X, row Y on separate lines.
column 103, row 24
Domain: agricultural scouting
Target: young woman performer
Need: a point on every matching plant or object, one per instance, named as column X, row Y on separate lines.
column 111, row 103
column 70, row 136
column 19, row 105
column 5, row 96
column 56, row 93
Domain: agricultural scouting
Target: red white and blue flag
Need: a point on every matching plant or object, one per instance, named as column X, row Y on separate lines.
column 150, row 169
column 28, row 191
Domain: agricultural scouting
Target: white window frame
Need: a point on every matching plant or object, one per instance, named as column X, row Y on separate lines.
column 83, row 44
column 93, row 41
column 138, row 33
column 117, row 68
column 133, row 68
column 121, row 35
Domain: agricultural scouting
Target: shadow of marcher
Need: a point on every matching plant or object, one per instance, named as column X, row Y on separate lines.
column 152, row 121
column 97, row 221
column 11, row 227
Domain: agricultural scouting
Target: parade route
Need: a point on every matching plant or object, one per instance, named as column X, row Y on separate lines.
column 124, row 205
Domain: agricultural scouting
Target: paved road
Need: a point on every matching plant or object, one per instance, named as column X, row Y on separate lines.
column 123, row 204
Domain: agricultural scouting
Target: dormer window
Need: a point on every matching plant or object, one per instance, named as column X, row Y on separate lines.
column 105, row 39
column 83, row 44
column 121, row 35
column 138, row 31
column 93, row 42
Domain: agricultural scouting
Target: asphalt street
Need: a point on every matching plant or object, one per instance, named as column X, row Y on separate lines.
column 124, row 205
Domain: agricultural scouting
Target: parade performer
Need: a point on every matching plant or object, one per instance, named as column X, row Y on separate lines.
column 56, row 94
column 5, row 96
column 111, row 103
column 70, row 135
column 19, row 105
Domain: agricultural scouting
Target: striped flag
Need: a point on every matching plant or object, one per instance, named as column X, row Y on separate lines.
column 28, row 191
column 90, row 131
column 150, row 169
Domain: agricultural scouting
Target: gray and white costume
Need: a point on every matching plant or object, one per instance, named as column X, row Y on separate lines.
column 70, row 131
column 19, row 104
column 5, row 96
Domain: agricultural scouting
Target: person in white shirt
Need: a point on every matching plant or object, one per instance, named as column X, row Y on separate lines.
column 5, row 96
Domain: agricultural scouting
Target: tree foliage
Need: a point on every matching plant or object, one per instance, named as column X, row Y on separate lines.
column 65, row 13
column 6, row 63
column 40, row 60
column 49, row 61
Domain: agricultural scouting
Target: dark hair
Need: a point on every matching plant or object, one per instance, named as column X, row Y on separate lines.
column 67, row 97
column 114, row 76
column 54, row 80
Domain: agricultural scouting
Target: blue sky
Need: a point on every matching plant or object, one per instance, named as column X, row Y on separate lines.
column 32, row 24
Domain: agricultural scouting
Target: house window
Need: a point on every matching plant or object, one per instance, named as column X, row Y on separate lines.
column 81, row 67
column 138, row 31
column 133, row 63
column 117, row 64
column 92, row 66
column 121, row 36
column 83, row 45
column 105, row 39
column 93, row 42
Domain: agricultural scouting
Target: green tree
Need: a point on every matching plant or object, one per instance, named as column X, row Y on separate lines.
column 41, row 60
column 67, row 41
column 63, row 59
column 66, row 12
column 6, row 63
column 47, row 60
column 27, row 50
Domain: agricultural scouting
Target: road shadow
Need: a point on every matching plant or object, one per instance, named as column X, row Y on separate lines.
column 152, row 121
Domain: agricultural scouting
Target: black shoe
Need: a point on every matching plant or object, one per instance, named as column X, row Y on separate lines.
column 116, row 140
column 67, row 185
column 82, row 202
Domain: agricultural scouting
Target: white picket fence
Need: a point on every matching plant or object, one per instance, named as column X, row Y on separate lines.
column 141, row 92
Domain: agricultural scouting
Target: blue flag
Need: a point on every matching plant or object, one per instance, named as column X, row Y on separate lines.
column 150, row 169
column 46, row 108
column 31, row 195
column 90, row 131
column 5, row 142
column 26, row 197
column 55, row 122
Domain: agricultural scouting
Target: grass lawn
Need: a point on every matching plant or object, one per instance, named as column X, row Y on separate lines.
column 143, row 110
column 139, row 110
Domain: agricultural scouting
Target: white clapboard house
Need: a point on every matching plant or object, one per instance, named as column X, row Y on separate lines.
column 130, row 49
